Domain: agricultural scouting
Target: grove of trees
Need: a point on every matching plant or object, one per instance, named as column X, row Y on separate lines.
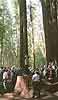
column 28, row 32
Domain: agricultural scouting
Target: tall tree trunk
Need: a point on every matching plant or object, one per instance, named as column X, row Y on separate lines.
column 2, row 36
column 56, row 32
column 25, row 38
column 51, row 30
column 46, row 18
column 23, row 34
column 33, row 44
column 2, row 50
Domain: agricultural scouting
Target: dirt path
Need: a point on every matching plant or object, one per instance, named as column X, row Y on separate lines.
column 44, row 96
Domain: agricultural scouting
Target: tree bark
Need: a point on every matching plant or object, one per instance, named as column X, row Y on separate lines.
column 50, row 27
column 33, row 44
column 23, row 33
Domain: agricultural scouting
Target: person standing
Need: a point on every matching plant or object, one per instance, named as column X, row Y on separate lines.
column 36, row 84
column 5, row 78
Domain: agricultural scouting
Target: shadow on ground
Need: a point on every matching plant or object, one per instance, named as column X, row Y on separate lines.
column 44, row 96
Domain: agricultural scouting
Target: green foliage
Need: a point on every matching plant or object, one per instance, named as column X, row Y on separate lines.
column 9, row 37
column 40, row 59
column 7, row 34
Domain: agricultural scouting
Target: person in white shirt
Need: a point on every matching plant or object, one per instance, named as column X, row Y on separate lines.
column 5, row 77
column 36, row 84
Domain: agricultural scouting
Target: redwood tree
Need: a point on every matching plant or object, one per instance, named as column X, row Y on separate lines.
column 23, row 34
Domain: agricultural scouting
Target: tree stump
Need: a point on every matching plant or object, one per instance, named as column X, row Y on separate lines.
column 22, row 86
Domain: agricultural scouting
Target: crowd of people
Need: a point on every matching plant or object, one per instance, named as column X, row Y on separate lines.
column 50, row 71
column 14, row 80
column 18, row 79
column 7, row 79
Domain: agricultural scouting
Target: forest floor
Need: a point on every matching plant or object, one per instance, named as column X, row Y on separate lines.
column 44, row 96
